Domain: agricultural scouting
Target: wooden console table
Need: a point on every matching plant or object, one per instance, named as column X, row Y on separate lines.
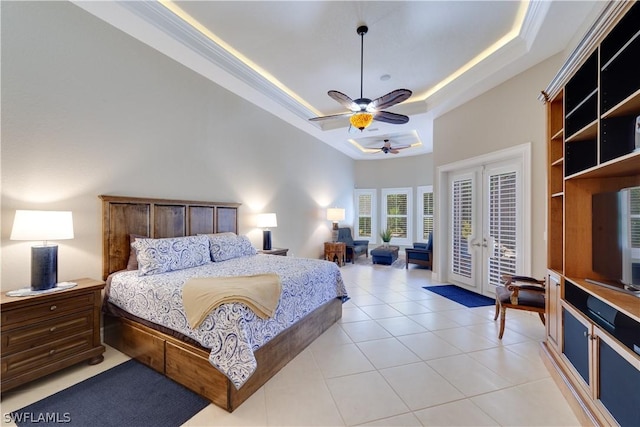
column 336, row 252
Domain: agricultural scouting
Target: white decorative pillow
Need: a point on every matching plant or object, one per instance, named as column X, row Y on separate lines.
column 157, row 256
column 226, row 246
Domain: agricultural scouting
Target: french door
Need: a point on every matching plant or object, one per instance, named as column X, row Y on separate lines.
column 486, row 236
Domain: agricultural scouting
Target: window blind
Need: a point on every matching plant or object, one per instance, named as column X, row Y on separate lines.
column 364, row 214
column 462, row 220
column 502, row 225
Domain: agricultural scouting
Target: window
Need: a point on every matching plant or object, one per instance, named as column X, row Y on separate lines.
column 425, row 212
column 366, row 224
column 396, row 208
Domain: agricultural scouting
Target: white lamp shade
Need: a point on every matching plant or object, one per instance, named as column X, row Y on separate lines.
column 42, row 225
column 267, row 220
column 335, row 214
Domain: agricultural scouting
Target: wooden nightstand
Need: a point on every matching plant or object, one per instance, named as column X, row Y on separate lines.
column 45, row 333
column 336, row 252
column 275, row 251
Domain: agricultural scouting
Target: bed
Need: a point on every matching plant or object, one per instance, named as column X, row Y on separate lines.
column 188, row 355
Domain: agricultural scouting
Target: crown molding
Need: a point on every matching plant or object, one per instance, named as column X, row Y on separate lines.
column 166, row 21
column 533, row 20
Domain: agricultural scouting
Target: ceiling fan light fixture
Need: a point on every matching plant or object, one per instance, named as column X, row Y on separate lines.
column 364, row 109
column 361, row 120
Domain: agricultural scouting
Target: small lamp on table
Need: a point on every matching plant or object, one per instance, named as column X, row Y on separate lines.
column 44, row 226
column 266, row 221
column 335, row 215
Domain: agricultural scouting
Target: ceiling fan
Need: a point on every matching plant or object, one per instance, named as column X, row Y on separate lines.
column 388, row 148
column 363, row 110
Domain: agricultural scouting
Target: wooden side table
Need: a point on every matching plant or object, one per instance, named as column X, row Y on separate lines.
column 336, row 252
column 275, row 251
column 44, row 333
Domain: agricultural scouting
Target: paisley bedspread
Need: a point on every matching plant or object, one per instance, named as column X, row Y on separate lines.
column 232, row 331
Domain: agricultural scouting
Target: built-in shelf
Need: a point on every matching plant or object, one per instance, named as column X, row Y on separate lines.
column 592, row 149
column 625, row 303
column 588, row 98
column 558, row 136
column 590, row 131
column 631, row 105
column 621, row 166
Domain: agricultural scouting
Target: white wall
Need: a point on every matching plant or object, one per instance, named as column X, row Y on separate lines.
column 395, row 172
column 87, row 110
column 507, row 115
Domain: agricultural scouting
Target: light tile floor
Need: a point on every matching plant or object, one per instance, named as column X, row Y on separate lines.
column 400, row 356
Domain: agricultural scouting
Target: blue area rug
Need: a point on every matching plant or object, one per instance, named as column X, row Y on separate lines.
column 129, row 394
column 461, row 295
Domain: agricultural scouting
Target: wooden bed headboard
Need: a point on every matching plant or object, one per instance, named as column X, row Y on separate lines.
column 157, row 218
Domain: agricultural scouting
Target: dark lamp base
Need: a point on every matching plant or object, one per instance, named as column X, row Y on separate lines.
column 266, row 240
column 44, row 267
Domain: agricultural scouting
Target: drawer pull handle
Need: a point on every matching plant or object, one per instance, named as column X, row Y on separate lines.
column 52, row 352
column 53, row 307
column 52, row 329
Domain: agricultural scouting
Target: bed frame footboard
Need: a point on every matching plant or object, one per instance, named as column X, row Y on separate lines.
column 189, row 365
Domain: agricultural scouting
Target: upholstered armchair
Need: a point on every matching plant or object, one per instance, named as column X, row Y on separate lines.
column 355, row 248
column 420, row 254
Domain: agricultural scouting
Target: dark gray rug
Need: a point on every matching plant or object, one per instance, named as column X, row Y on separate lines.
column 129, row 394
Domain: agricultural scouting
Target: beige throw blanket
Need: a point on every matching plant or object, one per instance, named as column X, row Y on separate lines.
column 260, row 292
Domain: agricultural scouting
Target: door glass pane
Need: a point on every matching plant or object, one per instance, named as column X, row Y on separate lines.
column 502, row 225
column 462, row 221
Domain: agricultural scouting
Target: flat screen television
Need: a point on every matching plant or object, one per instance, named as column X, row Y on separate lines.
column 615, row 238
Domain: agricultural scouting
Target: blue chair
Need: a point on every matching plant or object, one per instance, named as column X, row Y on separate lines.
column 420, row 254
column 355, row 248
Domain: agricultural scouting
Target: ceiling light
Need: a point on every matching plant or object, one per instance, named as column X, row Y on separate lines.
column 361, row 120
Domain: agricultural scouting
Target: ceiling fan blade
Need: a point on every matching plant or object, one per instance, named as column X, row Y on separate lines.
column 332, row 116
column 343, row 100
column 392, row 98
column 396, row 150
column 393, row 118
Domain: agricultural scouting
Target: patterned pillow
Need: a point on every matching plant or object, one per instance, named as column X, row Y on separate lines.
column 157, row 256
column 226, row 246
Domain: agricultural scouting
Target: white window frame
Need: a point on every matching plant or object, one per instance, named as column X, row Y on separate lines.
column 374, row 217
column 383, row 213
column 419, row 211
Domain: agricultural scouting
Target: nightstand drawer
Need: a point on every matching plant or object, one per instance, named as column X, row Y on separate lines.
column 46, row 354
column 37, row 334
column 53, row 308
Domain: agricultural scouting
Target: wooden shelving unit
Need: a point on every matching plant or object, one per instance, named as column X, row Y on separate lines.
column 592, row 107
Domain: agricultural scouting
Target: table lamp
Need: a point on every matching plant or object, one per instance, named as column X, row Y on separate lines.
column 266, row 221
column 335, row 215
column 44, row 226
